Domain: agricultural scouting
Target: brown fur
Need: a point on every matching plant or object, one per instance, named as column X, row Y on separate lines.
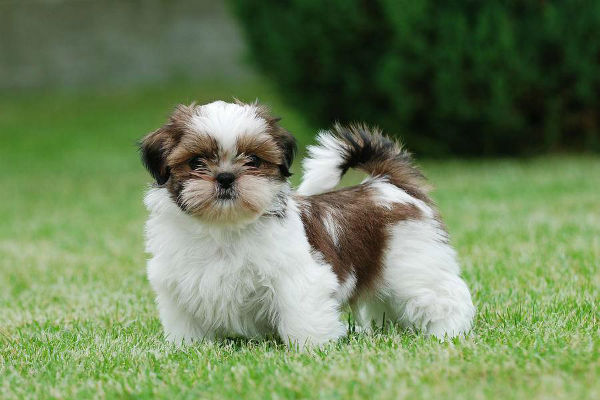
column 372, row 152
column 362, row 231
column 264, row 147
column 192, row 144
column 282, row 137
column 157, row 145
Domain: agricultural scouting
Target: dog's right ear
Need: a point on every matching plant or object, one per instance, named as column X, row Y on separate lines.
column 153, row 149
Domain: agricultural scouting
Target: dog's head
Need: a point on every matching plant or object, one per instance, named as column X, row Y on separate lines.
column 221, row 162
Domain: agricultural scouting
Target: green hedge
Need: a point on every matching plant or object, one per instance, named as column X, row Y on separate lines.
column 461, row 77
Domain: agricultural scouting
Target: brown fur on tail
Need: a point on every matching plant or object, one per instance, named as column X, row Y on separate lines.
column 367, row 149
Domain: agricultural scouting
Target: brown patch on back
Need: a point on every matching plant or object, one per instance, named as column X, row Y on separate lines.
column 363, row 231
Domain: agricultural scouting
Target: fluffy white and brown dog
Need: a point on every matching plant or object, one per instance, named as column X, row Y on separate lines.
column 236, row 252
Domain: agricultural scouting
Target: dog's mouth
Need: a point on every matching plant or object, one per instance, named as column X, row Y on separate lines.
column 226, row 194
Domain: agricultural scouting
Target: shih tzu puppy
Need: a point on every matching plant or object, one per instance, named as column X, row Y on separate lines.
column 236, row 252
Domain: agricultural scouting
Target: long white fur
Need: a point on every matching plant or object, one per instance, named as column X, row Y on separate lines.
column 321, row 170
column 249, row 281
column 261, row 276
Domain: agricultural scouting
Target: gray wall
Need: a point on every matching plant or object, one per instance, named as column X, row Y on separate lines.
column 70, row 43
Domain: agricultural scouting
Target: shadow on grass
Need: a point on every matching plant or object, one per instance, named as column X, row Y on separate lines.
column 380, row 332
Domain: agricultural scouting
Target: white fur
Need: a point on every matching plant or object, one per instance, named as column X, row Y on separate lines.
column 228, row 121
column 321, row 167
column 389, row 194
column 332, row 229
column 346, row 289
column 421, row 285
column 249, row 281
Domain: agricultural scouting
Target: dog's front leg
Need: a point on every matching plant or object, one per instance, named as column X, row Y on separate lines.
column 308, row 314
column 180, row 327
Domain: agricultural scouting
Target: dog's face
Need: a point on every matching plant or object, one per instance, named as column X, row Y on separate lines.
column 221, row 162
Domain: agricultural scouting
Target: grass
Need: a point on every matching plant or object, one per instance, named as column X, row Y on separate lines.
column 77, row 318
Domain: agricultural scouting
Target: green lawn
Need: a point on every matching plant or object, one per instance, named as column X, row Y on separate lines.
column 77, row 317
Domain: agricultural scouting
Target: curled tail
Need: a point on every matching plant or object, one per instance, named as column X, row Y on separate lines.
column 358, row 146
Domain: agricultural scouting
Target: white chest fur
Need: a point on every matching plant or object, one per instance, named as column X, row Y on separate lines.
column 224, row 293
column 222, row 282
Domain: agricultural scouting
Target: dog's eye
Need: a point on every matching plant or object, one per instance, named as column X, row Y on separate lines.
column 196, row 163
column 252, row 161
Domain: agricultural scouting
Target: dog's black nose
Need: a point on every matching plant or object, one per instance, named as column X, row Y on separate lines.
column 225, row 179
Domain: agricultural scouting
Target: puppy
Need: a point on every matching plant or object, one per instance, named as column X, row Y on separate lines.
column 236, row 252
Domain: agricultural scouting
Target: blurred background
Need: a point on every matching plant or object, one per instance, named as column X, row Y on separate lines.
column 482, row 85
column 83, row 44
column 452, row 78
column 474, row 89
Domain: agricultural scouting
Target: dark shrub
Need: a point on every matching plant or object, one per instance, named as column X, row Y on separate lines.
column 466, row 77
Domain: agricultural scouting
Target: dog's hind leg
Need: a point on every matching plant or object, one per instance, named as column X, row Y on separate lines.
column 372, row 312
column 422, row 279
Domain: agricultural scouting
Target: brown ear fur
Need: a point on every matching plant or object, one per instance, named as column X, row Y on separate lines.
column 155, row 146
column 153, row 152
